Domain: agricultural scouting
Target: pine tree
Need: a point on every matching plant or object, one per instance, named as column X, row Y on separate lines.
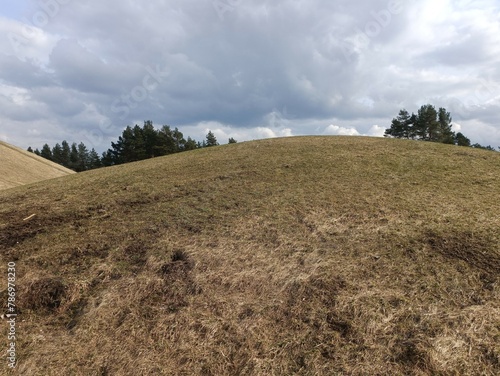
column 401, row 126
column 190, row 144
column 83, row 158
column 73, row 157
column 445, row 133
column 122, row 150
column 211, row 140
column 151, row 139
column 94, row 160
column 57, row 154
column 138, row 145
column 46, row 152
column 108, row 158
column 427, row 126
column 232, row 141
column 461, row 140
column 147, row 142
column 166, row 143
column 65, row 154
column 179, row 141
column 30, row 149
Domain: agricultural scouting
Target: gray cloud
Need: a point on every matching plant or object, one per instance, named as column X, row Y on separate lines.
column 246, row 68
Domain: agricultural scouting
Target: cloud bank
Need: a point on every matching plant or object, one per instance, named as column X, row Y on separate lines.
column 84, row 70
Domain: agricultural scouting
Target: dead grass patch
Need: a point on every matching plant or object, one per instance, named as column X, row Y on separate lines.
column 297, row 256
column 42, row 295
column 478, row 250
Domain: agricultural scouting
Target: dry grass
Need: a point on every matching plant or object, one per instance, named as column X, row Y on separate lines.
column 19, row 167
column 303, row 256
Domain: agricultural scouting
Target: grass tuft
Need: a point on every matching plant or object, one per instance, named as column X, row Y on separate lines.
column 42, row 295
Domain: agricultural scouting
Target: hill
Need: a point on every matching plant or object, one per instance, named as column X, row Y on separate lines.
column 19, row 167
column 295, row 256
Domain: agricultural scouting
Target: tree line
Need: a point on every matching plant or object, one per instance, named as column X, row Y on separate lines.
column 75, row 157
column 135, row 144
column 429, row 124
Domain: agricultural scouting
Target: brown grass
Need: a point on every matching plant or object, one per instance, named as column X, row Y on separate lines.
column 297, row 256
column 19, row 167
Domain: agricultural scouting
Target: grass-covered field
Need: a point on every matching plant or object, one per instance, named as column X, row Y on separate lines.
column 295, row 256
column 18, row 167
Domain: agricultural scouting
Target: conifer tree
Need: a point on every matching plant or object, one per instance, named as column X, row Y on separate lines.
column 461, row 140
column 94, row 160
column 138, row 151
column 65, row 154
column 150, row 136
column 73, row 157
column 445, row 133
column 46, row 152
column 402, row 125
column 190, row 144
column 83, row 158
column 426, row 127
column 211, row 140
column 108, row 158
column 179, row 141
column 167, row 142
column 121, row 151
column 57, row 155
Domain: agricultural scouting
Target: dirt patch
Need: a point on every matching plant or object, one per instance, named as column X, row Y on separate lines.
column 19, row 230
column 479, row 252
column 176, row 284
column 412, row 353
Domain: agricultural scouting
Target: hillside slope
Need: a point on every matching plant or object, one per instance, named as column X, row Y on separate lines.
column 295, row 256
column 19, row 167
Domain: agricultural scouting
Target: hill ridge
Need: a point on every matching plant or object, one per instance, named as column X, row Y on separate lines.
column 19, row 167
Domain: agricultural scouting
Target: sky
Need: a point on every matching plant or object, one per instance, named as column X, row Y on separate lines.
column 83, row 70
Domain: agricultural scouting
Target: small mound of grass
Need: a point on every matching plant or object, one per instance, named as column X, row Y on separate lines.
column 42, row 295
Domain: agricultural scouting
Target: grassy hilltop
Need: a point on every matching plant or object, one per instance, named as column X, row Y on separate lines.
column 295, row 256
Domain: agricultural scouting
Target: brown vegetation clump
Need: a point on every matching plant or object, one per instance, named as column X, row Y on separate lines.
column 42, row 295
column 297, row 256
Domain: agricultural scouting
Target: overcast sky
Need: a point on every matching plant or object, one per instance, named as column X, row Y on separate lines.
column 249, row 69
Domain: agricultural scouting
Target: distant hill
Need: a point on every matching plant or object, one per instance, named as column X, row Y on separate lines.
column 293, row 256
column 19, row 167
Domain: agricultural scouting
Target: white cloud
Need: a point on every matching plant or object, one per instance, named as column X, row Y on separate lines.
column 456, row 127
column 376, row 131
column 335, row 130
column 340, row 131
column 25, row 41
column 265, row 132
